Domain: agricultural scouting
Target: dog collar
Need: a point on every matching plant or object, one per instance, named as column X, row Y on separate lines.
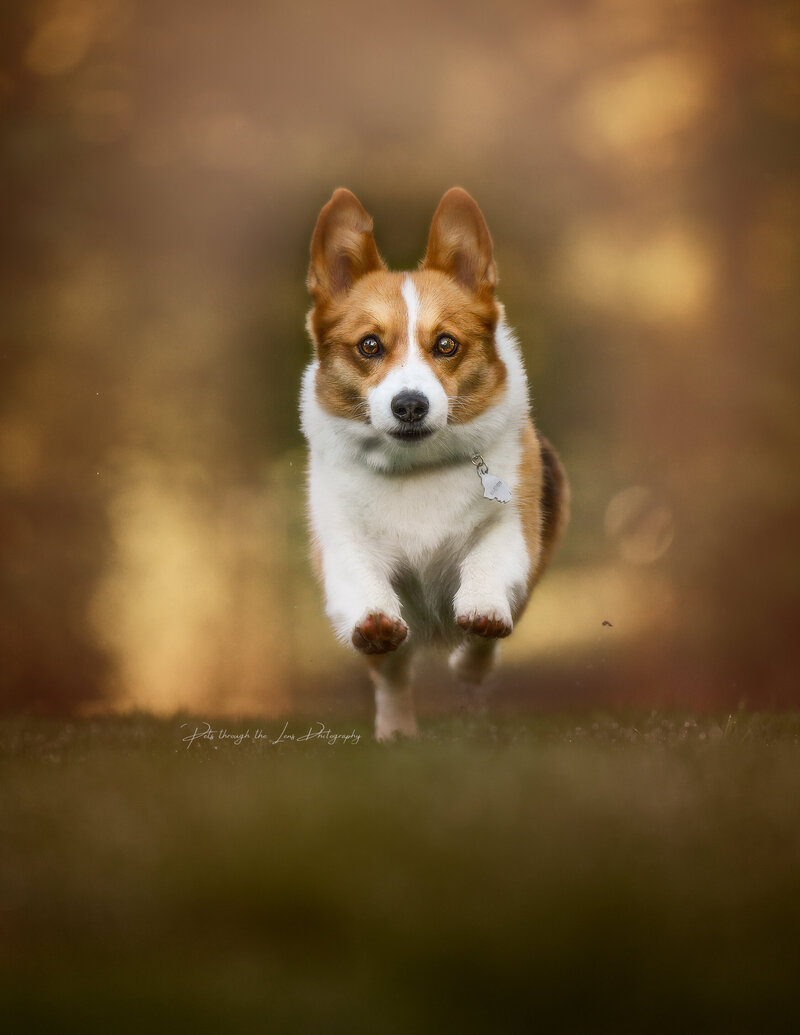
column 494, row 488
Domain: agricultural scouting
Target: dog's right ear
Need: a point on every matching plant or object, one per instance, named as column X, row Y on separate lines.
column 342, row 247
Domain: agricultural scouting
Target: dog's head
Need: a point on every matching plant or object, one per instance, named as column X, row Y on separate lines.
column 410, row 357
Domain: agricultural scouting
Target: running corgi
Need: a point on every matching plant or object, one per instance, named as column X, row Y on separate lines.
column 434, row 504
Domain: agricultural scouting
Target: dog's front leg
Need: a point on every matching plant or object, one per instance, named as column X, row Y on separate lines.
column 494, row 577
column 360, row 601
column 365, row 611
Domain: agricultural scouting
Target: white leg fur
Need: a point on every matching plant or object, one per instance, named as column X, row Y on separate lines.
column 355, row 586
column 356, row 571
column 494, row 572
column 394, row 703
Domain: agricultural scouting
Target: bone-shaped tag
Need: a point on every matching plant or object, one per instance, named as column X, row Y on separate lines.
column 495, row 488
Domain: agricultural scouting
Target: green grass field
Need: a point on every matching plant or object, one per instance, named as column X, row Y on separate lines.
column 571, row 872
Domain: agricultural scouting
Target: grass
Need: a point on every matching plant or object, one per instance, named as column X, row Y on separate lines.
column 574, row 872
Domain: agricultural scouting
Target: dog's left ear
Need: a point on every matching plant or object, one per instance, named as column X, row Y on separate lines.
column 342, row 248
column 460, row 245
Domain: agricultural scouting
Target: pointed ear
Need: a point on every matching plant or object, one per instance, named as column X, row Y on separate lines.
column 459, row 243
column 342, row 247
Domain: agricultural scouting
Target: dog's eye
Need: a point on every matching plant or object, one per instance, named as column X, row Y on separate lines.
column 370, row 346
column 446, row 345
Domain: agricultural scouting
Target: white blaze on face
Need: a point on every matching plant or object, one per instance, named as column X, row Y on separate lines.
column 411, row 299
column 413, row 374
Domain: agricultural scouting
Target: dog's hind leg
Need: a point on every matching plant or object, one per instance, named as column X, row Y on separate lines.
column 394, row 702
column 472, row 661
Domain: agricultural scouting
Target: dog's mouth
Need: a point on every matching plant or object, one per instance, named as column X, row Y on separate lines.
column 411, row 434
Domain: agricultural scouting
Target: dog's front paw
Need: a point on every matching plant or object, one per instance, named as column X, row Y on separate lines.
column 491, row 625
column 377, row 633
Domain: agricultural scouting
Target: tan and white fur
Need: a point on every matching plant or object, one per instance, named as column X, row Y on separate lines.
column 412, row 375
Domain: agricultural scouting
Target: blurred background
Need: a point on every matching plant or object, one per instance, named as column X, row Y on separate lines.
column 162, row 167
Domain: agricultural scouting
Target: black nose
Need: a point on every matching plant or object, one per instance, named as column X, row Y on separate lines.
column 410, row 406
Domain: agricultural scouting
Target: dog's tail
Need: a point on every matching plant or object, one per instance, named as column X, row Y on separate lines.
column 555, row 503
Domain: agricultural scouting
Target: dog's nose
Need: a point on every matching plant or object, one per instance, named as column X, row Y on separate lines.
column 410, row 407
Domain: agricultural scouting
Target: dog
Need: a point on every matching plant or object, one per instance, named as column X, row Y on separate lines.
column 434, row 505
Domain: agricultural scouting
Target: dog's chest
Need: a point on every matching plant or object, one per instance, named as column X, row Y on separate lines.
column 420, row 516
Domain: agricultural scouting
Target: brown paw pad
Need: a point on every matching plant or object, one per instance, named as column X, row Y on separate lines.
column 379, row 634
column 490, row 626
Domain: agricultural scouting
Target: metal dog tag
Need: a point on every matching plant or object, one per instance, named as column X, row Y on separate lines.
column 494, row 488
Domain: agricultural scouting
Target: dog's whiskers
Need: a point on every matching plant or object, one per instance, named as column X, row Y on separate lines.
column 361, row 411
column 455, row 403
